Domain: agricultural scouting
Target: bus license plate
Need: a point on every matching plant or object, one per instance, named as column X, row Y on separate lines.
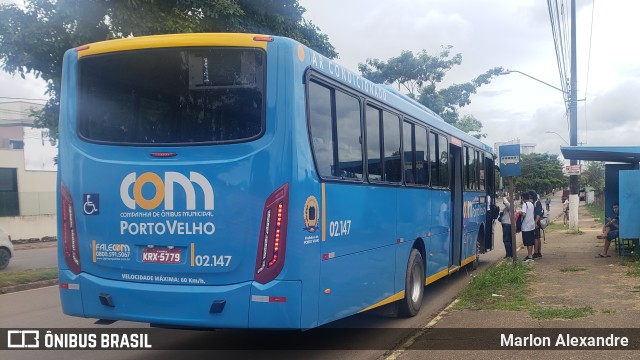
column 161, row 255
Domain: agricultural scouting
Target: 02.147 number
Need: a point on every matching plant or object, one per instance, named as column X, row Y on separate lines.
column 212, row 260
column 339, row 228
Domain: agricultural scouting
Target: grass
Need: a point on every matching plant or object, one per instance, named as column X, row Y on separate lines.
column 633, row 266
column 507, row 281
column 596, row 212
column 27, row 276
column 506, row 287
column 572, row 269
column 556, row 226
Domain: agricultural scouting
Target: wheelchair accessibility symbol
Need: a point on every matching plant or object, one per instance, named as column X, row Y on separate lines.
column 91, row 204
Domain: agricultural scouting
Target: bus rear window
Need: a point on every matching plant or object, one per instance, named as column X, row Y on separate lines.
column 172, row 96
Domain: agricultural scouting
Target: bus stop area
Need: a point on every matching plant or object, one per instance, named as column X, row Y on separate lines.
column 602, row 284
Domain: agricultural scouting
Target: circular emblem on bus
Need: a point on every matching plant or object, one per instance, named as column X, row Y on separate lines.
column 311, row 214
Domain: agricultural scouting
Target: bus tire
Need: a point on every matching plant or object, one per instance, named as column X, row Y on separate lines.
column 413, row 286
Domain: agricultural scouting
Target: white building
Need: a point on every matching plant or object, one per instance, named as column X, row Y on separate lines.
column 27, row 197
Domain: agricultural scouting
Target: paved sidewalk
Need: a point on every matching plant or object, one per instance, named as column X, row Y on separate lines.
column 600, row 283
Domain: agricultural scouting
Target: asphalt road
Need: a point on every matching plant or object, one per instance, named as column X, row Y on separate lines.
column 38, row 258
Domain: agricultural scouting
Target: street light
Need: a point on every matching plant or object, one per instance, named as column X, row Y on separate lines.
column 553, row 132
column 507, row 72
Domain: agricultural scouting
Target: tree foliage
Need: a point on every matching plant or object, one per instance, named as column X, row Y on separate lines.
column 541, row 173
column 34, row 38
column 419, row 75
column 471, row 125
column 593, row 175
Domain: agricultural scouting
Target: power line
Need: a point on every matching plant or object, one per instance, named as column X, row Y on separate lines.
column 558, row 18
column 586, row 86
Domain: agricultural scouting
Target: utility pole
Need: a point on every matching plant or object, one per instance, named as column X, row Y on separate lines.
column 574, row 199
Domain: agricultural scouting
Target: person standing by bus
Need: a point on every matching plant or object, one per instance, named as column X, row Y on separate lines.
column 537, row 214
column 528, row 226
column 505, row 220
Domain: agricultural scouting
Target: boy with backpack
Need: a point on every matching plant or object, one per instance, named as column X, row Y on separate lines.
column 538, row 212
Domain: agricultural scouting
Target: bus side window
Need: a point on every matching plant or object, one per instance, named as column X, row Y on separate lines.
column 422, row 159
column 409, row 153
column 443, row 146
column 392, row 168
column 374, row 160
column 321, row 129
column 433, row 159
column 348, row 130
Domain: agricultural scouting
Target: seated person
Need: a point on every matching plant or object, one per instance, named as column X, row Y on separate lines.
column 610, row 230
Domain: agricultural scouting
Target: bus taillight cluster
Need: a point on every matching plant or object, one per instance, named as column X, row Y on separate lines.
column 273, row 236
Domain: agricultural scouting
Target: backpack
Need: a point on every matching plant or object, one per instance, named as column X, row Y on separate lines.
column 544, row 220
column 495, row 212
column 519, row 219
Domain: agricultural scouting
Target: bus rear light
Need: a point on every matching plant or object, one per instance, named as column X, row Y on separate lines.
column 163, row 154
column 263, row 38
column 70, row 245
column 273, row 236
column 83, row 47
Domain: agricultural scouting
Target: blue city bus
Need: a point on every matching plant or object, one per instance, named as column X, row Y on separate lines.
column 246, row 181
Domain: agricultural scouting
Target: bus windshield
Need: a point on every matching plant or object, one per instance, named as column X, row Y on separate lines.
column 172, row 96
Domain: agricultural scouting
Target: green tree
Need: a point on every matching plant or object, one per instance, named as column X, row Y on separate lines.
column 470, row 125
column 540, row 172
column 419, row 75
column 34, row 38
column 593, row 175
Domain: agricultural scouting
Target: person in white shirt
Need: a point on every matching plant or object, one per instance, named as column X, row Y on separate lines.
column 528, row 226
column 505, row 220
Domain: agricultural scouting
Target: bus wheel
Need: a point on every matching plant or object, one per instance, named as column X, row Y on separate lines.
column 413, row 286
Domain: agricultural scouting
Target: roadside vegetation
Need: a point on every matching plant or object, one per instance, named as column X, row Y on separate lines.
column 8, row 278
column 596, row 212
column 633, row 266
column 506, row 287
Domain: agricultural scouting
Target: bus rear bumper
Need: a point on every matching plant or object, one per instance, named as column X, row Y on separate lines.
column 243, row 305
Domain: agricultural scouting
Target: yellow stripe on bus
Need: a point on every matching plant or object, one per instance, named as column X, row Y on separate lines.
column 389, row 300
column 193, row 255
column 173, row 40
column 93, row 247
column 468, row 260
column 436, row 276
